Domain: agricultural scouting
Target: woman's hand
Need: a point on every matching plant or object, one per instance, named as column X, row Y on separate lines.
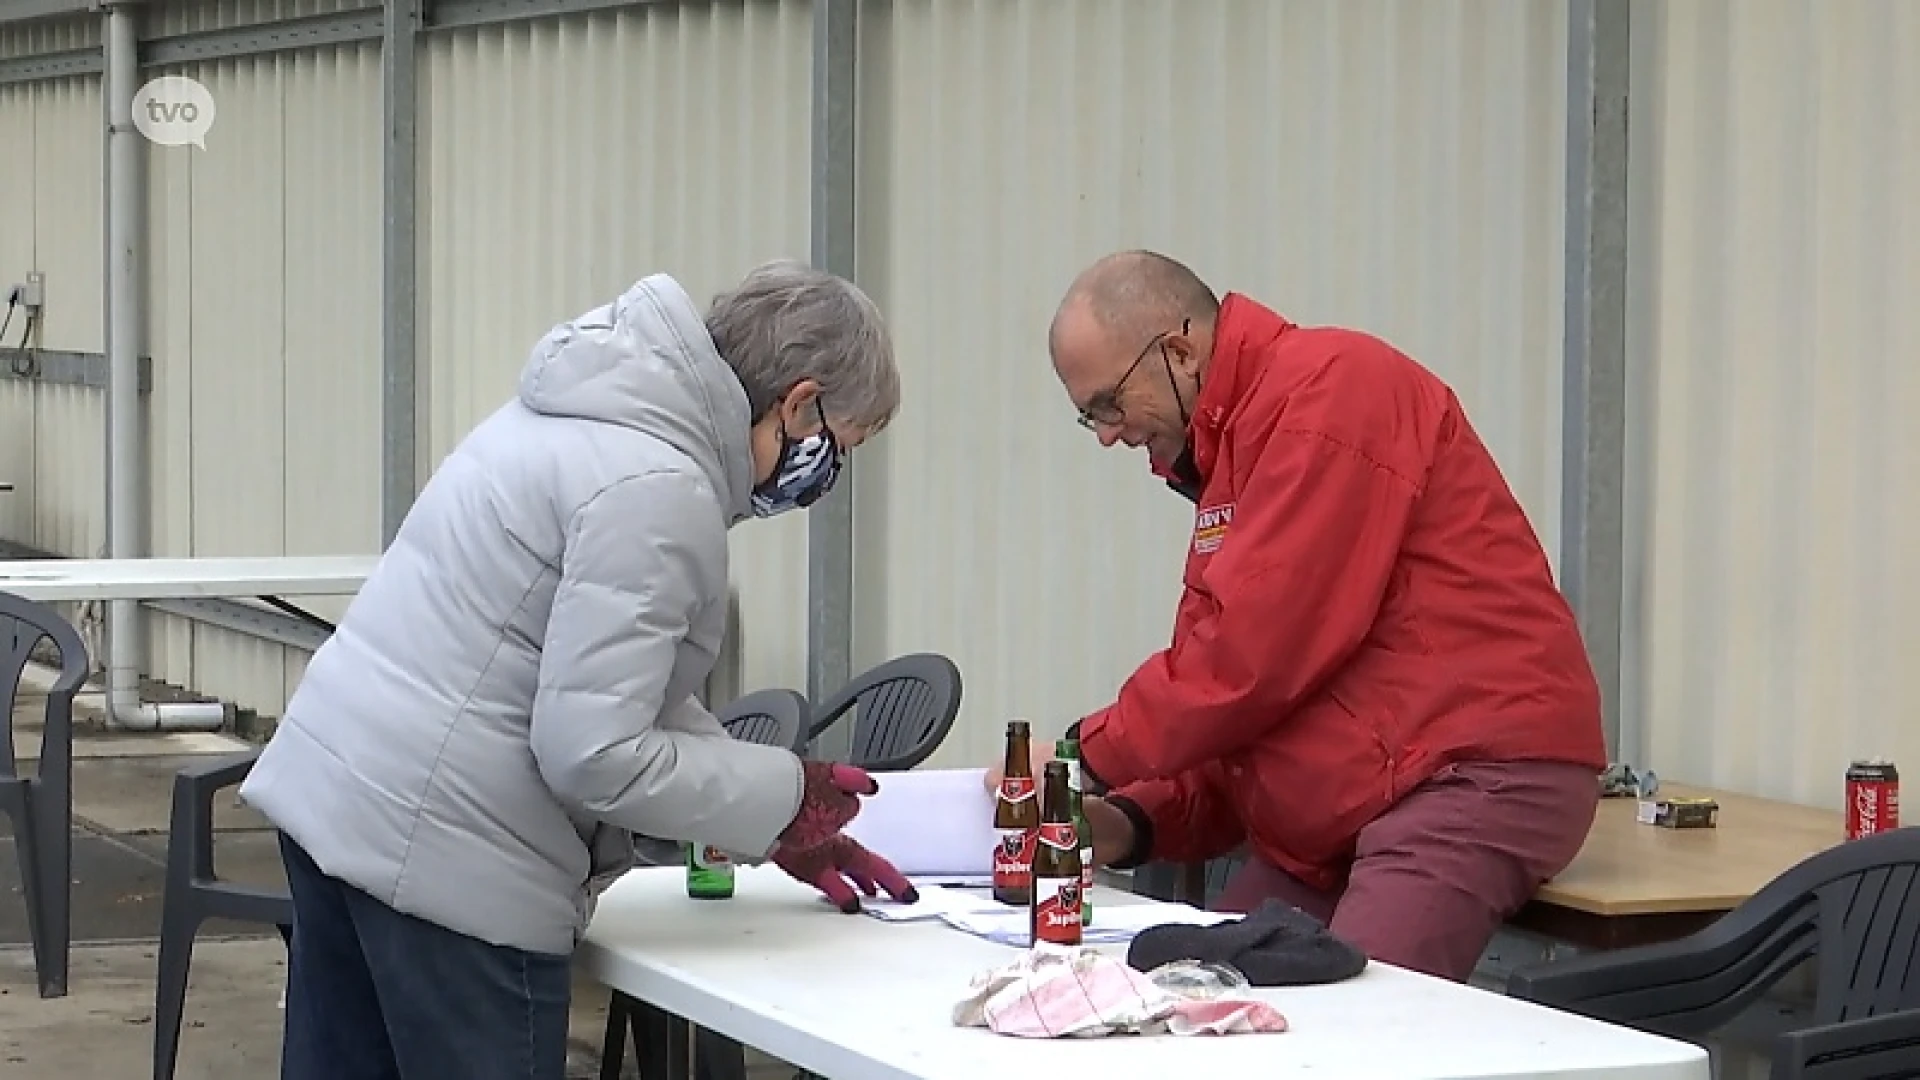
column 830, row 798
column 830, row 866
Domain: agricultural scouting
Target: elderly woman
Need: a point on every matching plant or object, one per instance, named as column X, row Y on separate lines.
column 510, row 696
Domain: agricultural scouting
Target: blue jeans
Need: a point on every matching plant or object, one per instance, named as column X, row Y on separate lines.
column 374, row 994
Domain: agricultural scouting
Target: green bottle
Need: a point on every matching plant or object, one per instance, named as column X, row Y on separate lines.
column 1068, row 750
column 709, row 873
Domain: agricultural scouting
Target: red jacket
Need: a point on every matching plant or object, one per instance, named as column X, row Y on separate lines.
column 1365, row 603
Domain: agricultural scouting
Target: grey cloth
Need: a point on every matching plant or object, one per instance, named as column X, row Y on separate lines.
column 1276, row 944
column 510, row 696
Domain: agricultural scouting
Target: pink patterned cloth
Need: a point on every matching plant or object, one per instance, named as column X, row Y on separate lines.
column 1052, row 993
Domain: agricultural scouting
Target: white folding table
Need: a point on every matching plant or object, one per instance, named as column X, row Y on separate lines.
column 50, row 580
column 854, row 998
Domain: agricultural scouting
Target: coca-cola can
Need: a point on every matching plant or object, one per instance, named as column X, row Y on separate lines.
column 1873, row 798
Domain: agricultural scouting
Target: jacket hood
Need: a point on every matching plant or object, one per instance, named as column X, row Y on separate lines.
column 646, row 362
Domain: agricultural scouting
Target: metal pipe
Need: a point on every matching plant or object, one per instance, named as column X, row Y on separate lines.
column 830, row 522
column 126, row 439
column 1593, row 421
column 399, row 291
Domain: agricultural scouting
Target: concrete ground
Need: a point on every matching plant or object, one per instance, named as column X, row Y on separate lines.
column 103, row 1028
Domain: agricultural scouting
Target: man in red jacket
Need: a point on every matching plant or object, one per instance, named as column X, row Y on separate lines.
column 1374, row 684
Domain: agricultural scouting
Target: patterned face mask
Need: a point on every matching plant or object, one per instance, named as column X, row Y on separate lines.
column 806, row 470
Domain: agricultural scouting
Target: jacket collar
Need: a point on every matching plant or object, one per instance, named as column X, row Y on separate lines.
column 1242, row 334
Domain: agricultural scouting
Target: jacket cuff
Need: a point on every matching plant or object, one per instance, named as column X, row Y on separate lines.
column 1100, row 767
column 1142, row 850
column 1090, row 782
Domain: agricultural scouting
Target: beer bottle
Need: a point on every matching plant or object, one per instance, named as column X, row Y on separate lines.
column 1068, row 750
column 709, row 873
column 1056, row 865
column 1016, row 817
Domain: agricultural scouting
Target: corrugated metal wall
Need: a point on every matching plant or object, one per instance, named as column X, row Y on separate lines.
column 1775, row 204
column 51, row 202
column 264, row 329
column 565, row 158
column 1388, row 165
column 1383, row 164
column 52, row 197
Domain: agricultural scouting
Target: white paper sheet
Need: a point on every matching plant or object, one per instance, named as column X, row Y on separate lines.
column 1113, row 924
column 931, row 824
column 958, row 881
column 935, row 902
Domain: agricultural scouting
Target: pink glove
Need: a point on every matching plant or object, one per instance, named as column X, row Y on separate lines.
column 830, row 800
column 828, row 866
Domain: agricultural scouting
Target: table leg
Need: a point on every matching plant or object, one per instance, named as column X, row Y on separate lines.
column 613, row 1047
column 716, row 1057
column 662, row 1043
column 680, row 1046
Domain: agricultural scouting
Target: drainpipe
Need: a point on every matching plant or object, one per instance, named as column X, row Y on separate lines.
column 126, row 324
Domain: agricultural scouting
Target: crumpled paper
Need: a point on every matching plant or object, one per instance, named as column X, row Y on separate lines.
column 1056, row 992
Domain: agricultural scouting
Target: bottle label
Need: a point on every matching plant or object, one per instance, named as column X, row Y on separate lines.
column 1013, row 859
column 1059, row 835
column 1015, row 789
column 1056, row 910
column 708, row 857
column 1073, row 774
column 1086, row 877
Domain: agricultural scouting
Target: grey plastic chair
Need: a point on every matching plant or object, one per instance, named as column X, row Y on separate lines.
column 194, row 894
column 769, row 718
column 41, row 805
column 902, row 711
column 1854, row 909
column 1885, row 1047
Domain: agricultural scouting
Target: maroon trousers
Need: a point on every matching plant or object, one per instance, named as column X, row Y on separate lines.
column 1435, row 876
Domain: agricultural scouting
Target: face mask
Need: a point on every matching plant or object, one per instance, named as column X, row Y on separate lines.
column 1184, row 476
column 806, row 470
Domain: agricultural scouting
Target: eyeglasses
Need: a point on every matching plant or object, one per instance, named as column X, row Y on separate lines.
column 1104, row 408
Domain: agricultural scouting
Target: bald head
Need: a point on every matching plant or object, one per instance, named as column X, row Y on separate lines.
column 1132, row 295
column 1104, row 334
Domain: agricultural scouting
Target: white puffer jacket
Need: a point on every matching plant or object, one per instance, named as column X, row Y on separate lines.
column 518, row 671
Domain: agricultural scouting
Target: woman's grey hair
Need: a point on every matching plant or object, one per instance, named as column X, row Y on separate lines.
column 787, row 321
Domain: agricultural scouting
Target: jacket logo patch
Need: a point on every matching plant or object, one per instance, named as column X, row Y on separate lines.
column 1210, row 528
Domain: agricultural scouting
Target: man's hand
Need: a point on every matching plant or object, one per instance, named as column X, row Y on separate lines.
column 1042, row 753
column 1112, row 833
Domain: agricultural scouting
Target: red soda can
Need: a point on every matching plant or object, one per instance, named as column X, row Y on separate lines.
column 1873, row 798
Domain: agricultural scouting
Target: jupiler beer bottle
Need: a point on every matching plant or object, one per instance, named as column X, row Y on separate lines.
column 1068, row 750
column 1056, row 864
column 1016, row 817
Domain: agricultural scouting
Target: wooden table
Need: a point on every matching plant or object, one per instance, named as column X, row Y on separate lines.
column 1633, row 883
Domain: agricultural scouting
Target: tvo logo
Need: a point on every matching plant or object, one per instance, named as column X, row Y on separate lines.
column 174, row 110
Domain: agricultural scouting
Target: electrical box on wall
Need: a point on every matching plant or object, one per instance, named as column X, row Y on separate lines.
column 33, row 295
